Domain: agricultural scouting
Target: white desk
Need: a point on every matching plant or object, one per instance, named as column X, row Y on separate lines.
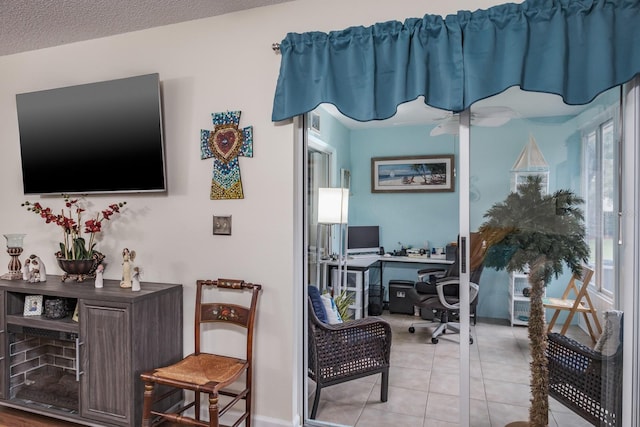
column 363, row 263
column 369, row 261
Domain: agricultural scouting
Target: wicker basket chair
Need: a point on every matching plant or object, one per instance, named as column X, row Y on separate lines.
column 585, row 380
column 347, row 351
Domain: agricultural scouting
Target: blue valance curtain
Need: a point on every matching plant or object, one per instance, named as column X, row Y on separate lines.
column 573, row 48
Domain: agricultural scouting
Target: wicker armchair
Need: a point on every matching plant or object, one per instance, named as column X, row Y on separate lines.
column 586, row 381
column 347, row 351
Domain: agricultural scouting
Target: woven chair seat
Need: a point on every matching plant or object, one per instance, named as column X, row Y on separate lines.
column 203, row 368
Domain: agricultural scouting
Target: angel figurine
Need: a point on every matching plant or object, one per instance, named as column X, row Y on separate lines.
column 38, row 271
column 26, row 270
column 99, row 276
column 127, row 267
column 135, row 279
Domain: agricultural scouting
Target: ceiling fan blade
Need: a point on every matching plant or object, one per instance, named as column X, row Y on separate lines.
column 490, row 121
column 493, row 111
column 480, row 116
column 450, row 126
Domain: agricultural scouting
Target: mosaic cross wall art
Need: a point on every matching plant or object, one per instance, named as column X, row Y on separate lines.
column 225, row 143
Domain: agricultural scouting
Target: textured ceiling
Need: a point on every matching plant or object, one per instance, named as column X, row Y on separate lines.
column 36, row 24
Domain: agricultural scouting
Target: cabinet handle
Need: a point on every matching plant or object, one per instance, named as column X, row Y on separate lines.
column 78, row 372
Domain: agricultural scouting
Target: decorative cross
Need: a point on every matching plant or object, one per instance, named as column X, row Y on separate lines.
column 225, row 143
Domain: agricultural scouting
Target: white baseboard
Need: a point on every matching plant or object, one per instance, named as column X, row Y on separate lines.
column 260, row 421
column 256, row 421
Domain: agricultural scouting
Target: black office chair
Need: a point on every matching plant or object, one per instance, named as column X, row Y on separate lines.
column 441, row 294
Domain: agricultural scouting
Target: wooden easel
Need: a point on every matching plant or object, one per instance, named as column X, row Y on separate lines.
column 581, row 304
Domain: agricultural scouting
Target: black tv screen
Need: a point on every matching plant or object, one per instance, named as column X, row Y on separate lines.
column 93, row 138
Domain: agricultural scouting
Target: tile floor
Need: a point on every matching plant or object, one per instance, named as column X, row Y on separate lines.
column 423, row 382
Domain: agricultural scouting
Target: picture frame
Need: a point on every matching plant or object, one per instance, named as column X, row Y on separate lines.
column 413, row 174
column 222, row 225
column 75, row 315
column 314, row 121
column 32, row 305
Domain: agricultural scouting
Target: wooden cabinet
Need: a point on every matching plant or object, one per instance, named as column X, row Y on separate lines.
column 3, row 350
column 103, row 351
column 118, row 335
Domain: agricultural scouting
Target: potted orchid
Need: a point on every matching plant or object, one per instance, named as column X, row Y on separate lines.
column 77, row 255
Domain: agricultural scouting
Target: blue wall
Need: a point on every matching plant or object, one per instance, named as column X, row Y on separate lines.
column 411, row 219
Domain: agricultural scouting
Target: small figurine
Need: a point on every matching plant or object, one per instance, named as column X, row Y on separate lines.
column 38, row 271
column 26, row 270
column 135, row 280
column 127, row 266
column 99, row 279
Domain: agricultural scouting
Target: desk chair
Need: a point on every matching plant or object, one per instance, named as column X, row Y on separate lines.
column 442, row 294
column 433, row 275
column 209, row 373
column 581, row 304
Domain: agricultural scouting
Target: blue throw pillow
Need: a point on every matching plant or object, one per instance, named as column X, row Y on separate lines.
column 318, row 306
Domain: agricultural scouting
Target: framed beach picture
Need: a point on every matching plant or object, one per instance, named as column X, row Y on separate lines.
column 32, row 305
column 413, row 174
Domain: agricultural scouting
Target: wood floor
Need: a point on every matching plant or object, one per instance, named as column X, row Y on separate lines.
column 14, row 418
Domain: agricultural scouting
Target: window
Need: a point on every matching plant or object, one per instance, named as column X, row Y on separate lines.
column 600, row 179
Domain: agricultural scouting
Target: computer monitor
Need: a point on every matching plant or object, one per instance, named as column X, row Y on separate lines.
column 363, row 239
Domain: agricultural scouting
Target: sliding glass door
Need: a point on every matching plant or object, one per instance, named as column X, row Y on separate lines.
column 539, row 183
column 544, row 194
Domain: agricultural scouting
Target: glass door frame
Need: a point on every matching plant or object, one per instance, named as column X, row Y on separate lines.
column 629, row 272
column 628, row 297
column 302, row 142
column 463, row 172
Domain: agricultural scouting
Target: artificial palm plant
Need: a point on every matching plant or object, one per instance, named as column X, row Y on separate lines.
column 539, row 232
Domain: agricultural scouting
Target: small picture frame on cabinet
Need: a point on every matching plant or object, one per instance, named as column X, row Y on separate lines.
column 32, row 305
column 75, row 313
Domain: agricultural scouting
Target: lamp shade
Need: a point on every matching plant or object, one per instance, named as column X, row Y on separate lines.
column 14, row 240
column 333, row 205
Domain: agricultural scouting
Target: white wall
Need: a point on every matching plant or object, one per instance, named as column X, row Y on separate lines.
column 209, row 65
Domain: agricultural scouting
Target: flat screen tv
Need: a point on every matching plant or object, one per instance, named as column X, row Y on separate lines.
column 363, row 239
column 100, row 137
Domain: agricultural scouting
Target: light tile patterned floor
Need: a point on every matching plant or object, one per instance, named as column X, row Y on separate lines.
column 423, row 382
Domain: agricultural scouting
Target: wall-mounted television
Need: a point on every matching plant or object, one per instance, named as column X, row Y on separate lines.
column 363, row 239
column 100, row 137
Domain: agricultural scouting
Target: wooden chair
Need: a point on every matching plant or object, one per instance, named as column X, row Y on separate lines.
column 205, row 372
column 581, row 304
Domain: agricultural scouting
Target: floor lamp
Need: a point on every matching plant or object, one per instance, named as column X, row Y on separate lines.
column 333, row 209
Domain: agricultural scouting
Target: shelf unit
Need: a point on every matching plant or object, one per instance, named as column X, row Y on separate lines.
column 518, row 303
column 358, row 287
